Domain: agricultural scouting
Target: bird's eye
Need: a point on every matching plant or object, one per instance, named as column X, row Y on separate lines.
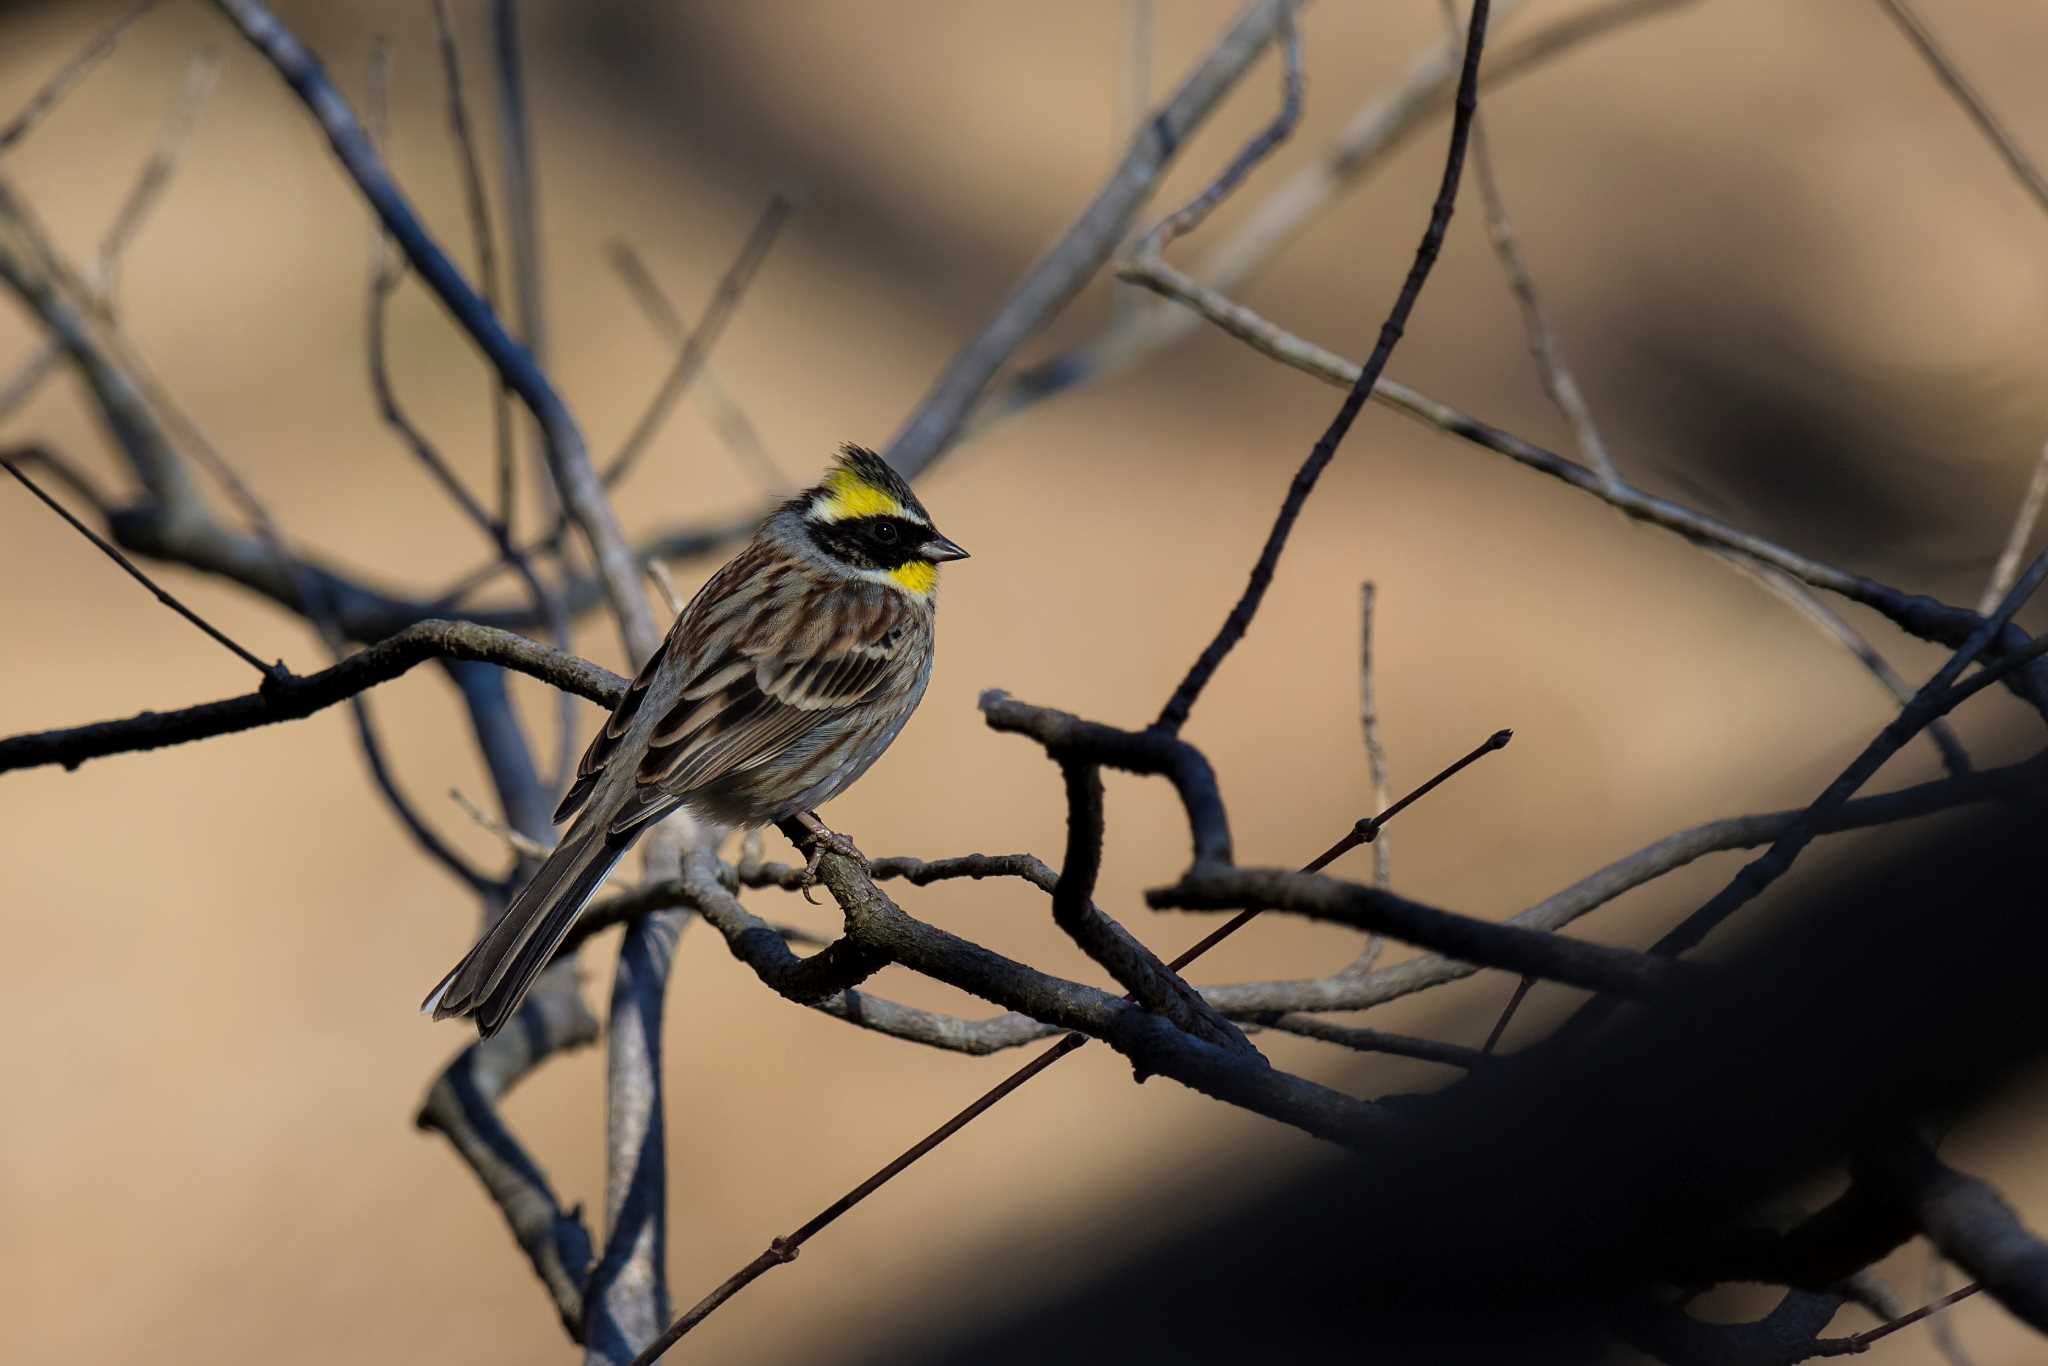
column 885, row 533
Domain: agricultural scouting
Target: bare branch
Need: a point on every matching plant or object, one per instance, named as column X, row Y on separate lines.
column 1189, row 216
column 2023, row 782
column 1544, row 344
column 734, row 427
column 1971, row 1223
column 1916, row 614
column 1379, row 1041
column 1941, row 1325
column 462, row 1105
column 1239, row 620
column 568, row 455
column 1804, row 601
column 519, row 844
column 2023, row 521
column 1380, row 127
column 1529, row 952
column 1136, row 969
column 271, row 672
column 176, row 134
column 1939, row 695
column 1974, row 104
column 67, row 77
column 1059, row 275
column 689, row 361
column 290, row 699
column 477, row 203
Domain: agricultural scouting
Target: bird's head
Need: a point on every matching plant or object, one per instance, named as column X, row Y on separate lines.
column 863, row 515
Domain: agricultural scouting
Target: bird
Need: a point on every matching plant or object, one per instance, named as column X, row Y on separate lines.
column 788, row 674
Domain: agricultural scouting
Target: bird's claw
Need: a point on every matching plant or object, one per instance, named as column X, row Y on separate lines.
column 825, row 842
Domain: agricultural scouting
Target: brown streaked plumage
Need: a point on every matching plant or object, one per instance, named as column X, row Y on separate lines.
column 784, row 678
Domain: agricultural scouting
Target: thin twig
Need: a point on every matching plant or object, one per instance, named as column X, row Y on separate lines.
column 67, row 77
column 1379, row 1041
column 1175, row 714
column 665, row 584
column 386, row 274
column 1831, row 623
column 201, row 75
column 477, row 204
column 2022, row 532
column 725, row 301
column 1544, row 343
column 568, row 454
column 1974, row 104
column 1293, row 84
column 516, row 842
column 1917, row 614
column 1375, row 767
column 1067, row 267
column 688, row 364
column 1941, row 1326
column 1507, row 1014
column 103, row 276
column 734, row 427
column 1885, row 1330
column 272, row 673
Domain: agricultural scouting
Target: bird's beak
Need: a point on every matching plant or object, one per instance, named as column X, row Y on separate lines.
column 938, row 550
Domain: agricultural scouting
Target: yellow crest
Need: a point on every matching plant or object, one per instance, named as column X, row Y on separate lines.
column 848, row 496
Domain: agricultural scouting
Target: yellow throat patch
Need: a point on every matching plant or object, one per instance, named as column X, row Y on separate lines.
column 918, row 576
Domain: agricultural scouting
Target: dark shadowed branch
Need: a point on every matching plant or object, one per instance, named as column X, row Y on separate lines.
column 1175, row 714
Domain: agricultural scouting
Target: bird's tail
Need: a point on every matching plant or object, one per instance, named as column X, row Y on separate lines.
column 492, row 978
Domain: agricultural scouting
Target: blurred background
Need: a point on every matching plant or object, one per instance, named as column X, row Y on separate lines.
column 1799, row 289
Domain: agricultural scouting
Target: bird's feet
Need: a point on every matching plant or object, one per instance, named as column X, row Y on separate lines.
column 823, row 840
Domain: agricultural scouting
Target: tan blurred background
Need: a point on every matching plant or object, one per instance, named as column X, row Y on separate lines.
column 1800, row 292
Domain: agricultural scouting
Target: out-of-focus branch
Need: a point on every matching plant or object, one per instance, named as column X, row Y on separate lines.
column 1939, row 695
column 1175, row 714
column 66, row 78
column 1060, row 274
column 697, row 344
column 1380, row 127
column 386, row 274
column 1970, row 1223
column 176, row 134
column 568, row 454
column 1319, row 897
column 2023, row 782
column 299, row 696
column 735, row 428
column 1974, row 104
column 2029, row 512
column 1378, row 1041
column 1190, row 215
column 1917, row 614
column 462, row 1106
column 1562, row 387
column 1831, row 623
column 476, row 202
column 695, row 348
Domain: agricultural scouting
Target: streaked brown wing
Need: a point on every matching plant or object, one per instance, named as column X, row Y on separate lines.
column 796, row 663
column 720, row 587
